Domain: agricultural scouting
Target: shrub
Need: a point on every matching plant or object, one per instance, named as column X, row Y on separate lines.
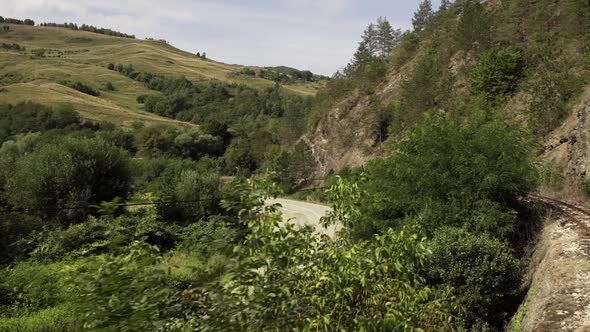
column 482, row 271
column 81, row 87
column 30, row 117
column 73, row 173
column 36, row 287
column 463, row 171
column 126, row 292
column 197, row 196
column 497, row 73
column 109, row 86
column 308, row 284
column 100, row 236
column 54, row 319
column 39, row 52
column 111, row 66
column 141, row 99
column 475, row 26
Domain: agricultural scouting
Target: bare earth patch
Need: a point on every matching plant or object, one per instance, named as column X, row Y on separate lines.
column 559, row 297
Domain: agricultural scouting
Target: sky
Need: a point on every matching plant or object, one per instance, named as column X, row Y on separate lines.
column 316, row 35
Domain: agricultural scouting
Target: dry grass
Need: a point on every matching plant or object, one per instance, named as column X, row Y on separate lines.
column 83, row 56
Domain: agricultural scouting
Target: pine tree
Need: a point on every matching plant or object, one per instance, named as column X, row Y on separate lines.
column 387, row 38
column 422, row 16
column 370, row 39
column 361, row 58
column 445, row 4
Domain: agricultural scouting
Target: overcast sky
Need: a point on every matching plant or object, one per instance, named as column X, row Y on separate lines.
column 319, row 35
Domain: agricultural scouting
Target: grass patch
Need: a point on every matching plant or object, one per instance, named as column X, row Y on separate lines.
column 56, row 319
column 516, row 322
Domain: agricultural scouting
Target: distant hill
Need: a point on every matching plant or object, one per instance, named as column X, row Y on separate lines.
column 35, row 59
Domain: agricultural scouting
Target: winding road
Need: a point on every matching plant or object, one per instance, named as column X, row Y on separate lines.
column 303, row 213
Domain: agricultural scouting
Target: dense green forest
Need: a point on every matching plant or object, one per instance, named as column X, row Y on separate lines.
column 165, row 229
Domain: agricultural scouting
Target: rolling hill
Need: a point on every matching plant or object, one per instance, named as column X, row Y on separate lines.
column 54, row 54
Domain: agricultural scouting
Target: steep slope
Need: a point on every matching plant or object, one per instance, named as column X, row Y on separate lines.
column 56, row 54
column 567, row 148
column 548, row 39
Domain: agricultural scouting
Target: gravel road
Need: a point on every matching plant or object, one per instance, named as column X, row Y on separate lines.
column 304, row 213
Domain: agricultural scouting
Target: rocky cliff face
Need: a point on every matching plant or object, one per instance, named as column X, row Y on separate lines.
column 568, row 147
column 348, row 135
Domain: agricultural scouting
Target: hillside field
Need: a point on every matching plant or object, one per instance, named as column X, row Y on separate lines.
column 84, row 56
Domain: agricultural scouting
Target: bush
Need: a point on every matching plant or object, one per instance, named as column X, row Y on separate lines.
column 462, row 171
column 109, row 86
column 101, row 236
column 367, row 286
column 54, row 319
column 36, row 287
column 39, row 52
column 81, row 87
column 72, row 173
column 141, row 99
column 482, row 271
column 475, row 26
column 126, row 292
column 111, row 66
column 30, row 117
column 197, row 196
column 497, row 73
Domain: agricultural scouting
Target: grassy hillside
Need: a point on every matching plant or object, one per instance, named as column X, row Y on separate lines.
column 83, row 56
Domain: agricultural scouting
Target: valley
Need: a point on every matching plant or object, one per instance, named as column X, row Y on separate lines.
column 438, row 181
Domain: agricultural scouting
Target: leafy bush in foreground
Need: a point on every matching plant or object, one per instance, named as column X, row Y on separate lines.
column 483, row 272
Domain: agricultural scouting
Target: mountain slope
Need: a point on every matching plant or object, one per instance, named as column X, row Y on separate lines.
column 56, row 54
column 432, row 71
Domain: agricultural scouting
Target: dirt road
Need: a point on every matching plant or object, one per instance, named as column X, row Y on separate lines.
column 304, row 213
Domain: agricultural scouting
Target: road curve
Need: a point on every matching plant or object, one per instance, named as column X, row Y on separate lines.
column 303, row 213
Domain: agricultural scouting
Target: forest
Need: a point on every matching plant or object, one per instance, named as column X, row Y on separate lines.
column 163, row 228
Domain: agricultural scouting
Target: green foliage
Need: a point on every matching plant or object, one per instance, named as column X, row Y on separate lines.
column 126, row 292
column 463, row 171
column 100, row 236
column 54, row 319
column 12, row 47
column 408, row 45
column 482, row 271
column 30, row 117
column 240, row 158
column 195, row 144
column 552, row 87
column 376, row 46
column 289, row 278
column 426, row 88
column 73, row 173
column 197, row 196
column 89, row 28
column 585, row 185
column 497, row 74
column 109, row 86
column 289, row 168
column 81, row 87
column 474, row 28
column 38, row 52
column 551, row 175
column 37, row 298
column 422, row 16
